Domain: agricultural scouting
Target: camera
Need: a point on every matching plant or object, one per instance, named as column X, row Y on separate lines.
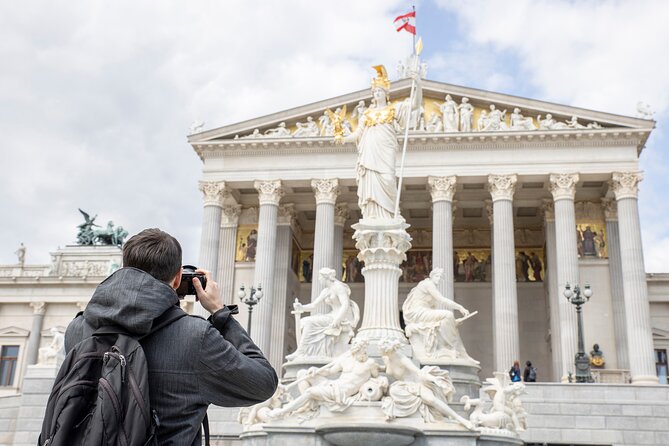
column 186, row 287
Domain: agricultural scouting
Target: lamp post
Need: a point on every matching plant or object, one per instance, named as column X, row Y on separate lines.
column 582, row 360
column 250, row 300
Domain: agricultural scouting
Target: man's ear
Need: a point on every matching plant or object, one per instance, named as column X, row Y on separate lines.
column 176, row 281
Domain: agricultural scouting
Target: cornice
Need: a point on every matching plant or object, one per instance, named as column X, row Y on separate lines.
column 507, row 140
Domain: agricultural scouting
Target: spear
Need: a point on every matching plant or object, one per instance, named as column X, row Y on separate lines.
column 417, row 50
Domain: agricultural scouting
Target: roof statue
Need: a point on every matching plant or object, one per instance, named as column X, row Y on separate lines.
column 108, row 236
column 196, row 127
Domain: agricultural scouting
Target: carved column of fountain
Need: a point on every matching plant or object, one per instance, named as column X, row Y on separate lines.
column 383, row 245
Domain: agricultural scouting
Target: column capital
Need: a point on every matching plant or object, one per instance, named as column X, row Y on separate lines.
column 563, row 185
column 342, row 213
column 38, row 307
column 230, row 215
column 325, row 190
column 625, row 184
column 548, row 207
column 488, row 210
column 214, row 192
column 287, row 214
column 610, row 207
column 269, row 192
column 502, row 187
column 442, row 188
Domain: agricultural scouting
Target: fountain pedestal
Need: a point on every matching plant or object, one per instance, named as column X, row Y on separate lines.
column 383, row 245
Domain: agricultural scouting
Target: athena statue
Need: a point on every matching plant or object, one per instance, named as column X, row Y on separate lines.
column 377, row 143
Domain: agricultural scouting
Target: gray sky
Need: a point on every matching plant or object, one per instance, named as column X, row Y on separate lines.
column 96, row 97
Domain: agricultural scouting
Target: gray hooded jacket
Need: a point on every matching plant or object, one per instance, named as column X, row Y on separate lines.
column 192, row 362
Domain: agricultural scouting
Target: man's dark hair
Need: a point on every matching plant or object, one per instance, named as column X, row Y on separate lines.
column 155, row 252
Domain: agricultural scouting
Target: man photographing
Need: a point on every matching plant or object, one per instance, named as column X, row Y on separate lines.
column 192, row 362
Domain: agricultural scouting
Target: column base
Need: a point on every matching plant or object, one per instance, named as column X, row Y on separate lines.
column 645, row 380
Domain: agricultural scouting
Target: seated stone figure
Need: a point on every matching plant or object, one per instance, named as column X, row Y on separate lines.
column 327, row 335
column 427, row 390
column 431, row 325
column 55, row 352
column 353, row 370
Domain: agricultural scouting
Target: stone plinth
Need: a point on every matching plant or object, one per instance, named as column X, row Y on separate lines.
column 364, row 424
column 383, row 245
column 37, row 385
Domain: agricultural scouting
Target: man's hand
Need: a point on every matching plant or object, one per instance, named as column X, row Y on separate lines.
column 210, row 297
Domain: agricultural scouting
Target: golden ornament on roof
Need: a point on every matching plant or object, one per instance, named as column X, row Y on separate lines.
column 337, row 123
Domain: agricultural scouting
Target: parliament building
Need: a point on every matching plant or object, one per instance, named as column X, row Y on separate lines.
column 514, row 198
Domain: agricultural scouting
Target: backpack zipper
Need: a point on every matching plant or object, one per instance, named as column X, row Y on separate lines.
column 116, row 354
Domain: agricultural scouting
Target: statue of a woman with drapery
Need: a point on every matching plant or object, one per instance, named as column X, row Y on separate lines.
column 376, row 138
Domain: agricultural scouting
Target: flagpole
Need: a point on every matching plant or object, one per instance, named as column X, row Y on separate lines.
column 415, row 24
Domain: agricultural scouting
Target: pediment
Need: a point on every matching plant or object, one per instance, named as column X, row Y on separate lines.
column 660, row 335
column 47, row 333
column 12, row 331
column 305, row 123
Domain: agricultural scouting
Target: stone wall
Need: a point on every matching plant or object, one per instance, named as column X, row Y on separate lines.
column 597, row 414
column 582, row 414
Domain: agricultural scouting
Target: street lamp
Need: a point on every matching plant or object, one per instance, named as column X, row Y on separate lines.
column 250, row 300
column 582, row 361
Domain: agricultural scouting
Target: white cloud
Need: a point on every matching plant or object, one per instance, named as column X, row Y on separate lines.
column 598, row 55
column 98, row 96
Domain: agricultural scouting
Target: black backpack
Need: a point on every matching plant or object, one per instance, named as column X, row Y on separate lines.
column 101, row 393
column 532, row 376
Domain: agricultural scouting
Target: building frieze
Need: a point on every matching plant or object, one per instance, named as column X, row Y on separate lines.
column 431, row 142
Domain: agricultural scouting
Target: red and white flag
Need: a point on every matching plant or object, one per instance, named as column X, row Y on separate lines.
column 406, row 22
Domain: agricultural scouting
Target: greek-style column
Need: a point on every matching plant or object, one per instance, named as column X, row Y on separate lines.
column 635, row 289
column 32, row 349
column 228, row 243
column 286, row 218
column 563, row 188
column 326, row 192
column 505, row 303
column 269, row 195
column 550, row 284
column 616, row 273
column 341, row 215
column 442, row 190
column 214, row 192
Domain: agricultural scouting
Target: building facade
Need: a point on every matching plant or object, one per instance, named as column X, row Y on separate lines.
column 514, row 198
